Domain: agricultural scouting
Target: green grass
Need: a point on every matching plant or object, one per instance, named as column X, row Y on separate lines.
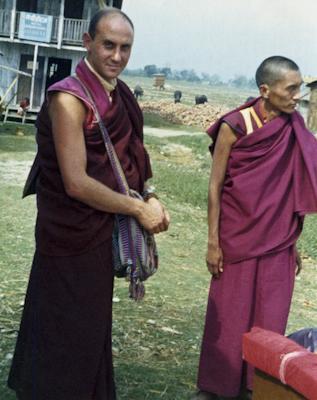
column 156, row 342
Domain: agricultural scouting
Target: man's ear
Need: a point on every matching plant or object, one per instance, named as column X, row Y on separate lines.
column 264, row 91
column 87, row 40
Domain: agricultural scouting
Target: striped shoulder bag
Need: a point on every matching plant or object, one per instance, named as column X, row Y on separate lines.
column 135, row 255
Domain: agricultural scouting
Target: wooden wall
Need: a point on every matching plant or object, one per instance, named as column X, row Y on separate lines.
column 312, row 112
column 11, row 58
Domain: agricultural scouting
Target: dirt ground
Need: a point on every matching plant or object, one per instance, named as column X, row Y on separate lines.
column 162, row 132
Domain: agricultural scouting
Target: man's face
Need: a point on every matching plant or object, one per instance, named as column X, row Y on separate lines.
column 284, row 95
column 109, row 51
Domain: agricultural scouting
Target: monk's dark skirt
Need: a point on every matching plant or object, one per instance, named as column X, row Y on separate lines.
column 63, row 351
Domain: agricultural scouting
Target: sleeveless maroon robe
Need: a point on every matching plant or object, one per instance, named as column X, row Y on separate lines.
column 66, row 226
column 270, row 184
column 63, row 351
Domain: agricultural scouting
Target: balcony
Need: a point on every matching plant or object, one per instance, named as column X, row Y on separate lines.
column 72, row 29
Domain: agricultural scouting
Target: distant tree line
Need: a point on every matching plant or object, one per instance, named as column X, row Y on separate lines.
column 190, row 75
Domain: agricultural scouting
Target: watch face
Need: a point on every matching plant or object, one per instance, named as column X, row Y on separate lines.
column 150, row 189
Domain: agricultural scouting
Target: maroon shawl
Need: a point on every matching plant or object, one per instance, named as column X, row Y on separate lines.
column 65, row 226
column 270, row 184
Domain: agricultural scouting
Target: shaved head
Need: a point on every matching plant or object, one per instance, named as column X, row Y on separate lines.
column 105, row 13
column 272, row 69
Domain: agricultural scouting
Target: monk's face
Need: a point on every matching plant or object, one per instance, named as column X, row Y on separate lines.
column 284, row 94
column 109, row 51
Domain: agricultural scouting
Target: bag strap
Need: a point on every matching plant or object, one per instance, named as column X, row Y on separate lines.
column 125, row 227
column 114, row 160
column 246, row 114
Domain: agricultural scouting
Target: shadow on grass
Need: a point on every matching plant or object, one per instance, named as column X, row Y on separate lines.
column 143, row 382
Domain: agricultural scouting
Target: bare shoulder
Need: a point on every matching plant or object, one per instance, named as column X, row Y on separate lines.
column 226, row 134
column 65, row 104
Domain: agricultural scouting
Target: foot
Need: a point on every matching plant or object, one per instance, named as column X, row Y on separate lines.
column 201, row 395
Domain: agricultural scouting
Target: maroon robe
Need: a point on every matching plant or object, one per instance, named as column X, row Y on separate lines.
column 63, row 351
column 85, row 227
column 270, row 184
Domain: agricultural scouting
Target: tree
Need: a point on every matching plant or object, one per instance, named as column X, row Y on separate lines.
column 215, row 80
column 133, row 72
column 252, row 83
column 150, row 70
column 240, row 81
column 166, row 71
column 188, row 75
column 205, row 76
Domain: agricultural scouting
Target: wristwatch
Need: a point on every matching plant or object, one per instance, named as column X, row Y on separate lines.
column 148, row 193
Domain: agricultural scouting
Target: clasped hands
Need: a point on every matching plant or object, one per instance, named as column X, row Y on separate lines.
column 154, row 217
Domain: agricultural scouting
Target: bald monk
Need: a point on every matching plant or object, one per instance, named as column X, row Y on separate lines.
column 263, row 181
column 63, row 350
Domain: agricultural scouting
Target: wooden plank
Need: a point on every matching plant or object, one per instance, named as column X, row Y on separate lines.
column 266, row 387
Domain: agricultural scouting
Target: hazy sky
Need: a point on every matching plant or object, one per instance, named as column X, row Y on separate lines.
column 226, row 37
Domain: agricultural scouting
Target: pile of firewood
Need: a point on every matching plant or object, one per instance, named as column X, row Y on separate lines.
column 201, row 116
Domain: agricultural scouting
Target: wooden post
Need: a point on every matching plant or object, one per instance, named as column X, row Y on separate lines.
column 36, row 49
column 312, row 111
column 13, row 19
column 60, row 25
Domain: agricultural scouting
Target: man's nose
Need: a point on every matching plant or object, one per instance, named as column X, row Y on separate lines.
column 297, row 95
column 116, row 56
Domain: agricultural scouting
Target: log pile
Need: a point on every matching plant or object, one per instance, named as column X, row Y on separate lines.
column 201, row 115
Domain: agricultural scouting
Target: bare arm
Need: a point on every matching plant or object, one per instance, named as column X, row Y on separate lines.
column 226, row 138
column 68, row 114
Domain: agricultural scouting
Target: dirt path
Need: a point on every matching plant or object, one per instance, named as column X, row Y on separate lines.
column 165, row 132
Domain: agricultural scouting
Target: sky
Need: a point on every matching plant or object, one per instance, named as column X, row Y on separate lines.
column 224, row 37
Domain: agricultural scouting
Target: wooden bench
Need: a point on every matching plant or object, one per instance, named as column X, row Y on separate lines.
column 266, row 387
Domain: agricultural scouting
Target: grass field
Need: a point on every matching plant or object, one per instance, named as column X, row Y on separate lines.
column 217, row 95
column 156, row 342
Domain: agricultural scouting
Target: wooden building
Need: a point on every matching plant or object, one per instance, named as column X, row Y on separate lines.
column 312, row 110
column 159, row 81
column 42, row 38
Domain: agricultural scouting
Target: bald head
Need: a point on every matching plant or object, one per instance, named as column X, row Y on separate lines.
column 273, row 69
column 106, row 13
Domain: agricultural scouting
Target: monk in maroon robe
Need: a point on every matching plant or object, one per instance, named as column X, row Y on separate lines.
column 63, row 350
column 263, row 182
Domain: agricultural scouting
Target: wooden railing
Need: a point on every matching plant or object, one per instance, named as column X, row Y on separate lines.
column 73, row 29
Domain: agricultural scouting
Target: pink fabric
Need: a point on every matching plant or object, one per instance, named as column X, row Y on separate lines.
column 72, row 86
column 236, row 120
column 267, row 350
column 255, row 292
column 270, row 184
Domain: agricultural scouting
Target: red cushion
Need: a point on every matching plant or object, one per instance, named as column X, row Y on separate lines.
column 270, row 352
